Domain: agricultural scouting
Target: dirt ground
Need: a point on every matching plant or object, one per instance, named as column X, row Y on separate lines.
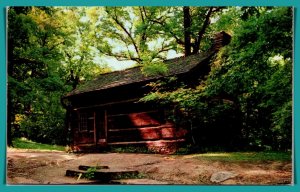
column 35, row 167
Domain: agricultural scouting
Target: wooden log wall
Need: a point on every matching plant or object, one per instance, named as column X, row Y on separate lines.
column 147, row 128
column 127, row 125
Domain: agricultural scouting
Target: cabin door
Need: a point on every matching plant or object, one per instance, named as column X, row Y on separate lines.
column 84, row 133
column 100, row 125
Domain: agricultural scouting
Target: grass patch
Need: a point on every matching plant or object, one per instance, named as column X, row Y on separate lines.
column 23, row 143
column 130, row 149
column 244, row 156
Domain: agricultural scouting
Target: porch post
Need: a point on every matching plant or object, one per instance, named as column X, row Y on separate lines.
column 105, row 125
column 95, row 130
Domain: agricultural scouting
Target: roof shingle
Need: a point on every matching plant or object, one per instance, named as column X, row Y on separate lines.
column 175, row 66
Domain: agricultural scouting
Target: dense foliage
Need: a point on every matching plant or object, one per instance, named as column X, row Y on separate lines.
column 42, row 67
column 244, row 102
column 33, row 86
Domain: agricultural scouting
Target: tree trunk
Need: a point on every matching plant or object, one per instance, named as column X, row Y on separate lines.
column 196, row 47
column 187, row 32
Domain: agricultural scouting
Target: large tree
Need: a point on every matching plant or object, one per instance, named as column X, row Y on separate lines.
column 32, row 42
column 49, row 52
column 146, row 34
column 257, row 72
column 78, row 49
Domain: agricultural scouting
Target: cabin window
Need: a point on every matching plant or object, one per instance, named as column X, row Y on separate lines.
column 83, row 125
column 86, row 121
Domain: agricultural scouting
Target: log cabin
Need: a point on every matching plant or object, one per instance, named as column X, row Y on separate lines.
column 106, row 111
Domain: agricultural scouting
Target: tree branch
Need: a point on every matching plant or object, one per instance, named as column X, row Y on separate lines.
column 201, row 32
column 187, row 30
column 178, row 40
column 115, row 18
column 121, row 57
column 143, row 36
column 164, row 48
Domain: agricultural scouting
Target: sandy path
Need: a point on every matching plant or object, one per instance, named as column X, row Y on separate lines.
column 29, row 167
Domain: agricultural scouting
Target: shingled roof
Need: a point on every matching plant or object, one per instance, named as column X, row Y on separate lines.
column 175, row 66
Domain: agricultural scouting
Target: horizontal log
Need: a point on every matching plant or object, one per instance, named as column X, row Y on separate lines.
column 104, row 175
column 142, row 128
column 147, row 142
column 72, row 173
column 126, row 114
column 159, row 146
column 84, row 167
column 146, row 133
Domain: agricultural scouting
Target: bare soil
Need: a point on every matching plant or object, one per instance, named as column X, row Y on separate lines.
column 36, row 167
